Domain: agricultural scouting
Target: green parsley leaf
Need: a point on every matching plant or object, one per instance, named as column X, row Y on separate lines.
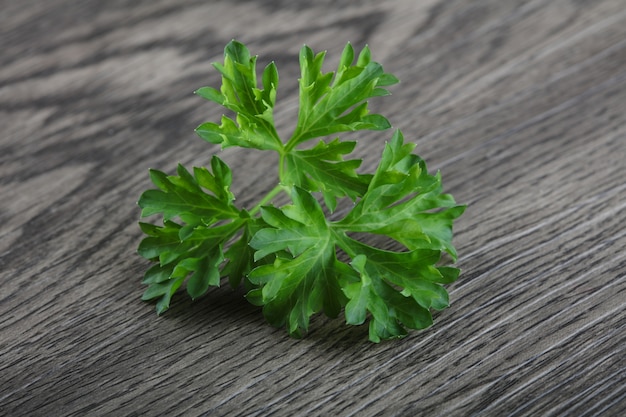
column 254, row 127
column 323, row 169
column 294, row 260
column 326, row 109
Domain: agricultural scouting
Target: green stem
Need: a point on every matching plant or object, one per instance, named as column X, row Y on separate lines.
column 293, row 141
column 273, row 193
column 281, row 168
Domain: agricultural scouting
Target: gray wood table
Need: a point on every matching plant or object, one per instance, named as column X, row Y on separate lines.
column 520, row 104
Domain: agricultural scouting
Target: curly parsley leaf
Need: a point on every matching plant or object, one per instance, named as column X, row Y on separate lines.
column 294, row 260
column 209, row 220
column 302, row 280
column 254, row 107
column 337, row 102
column 322, row 168
column 398, row 289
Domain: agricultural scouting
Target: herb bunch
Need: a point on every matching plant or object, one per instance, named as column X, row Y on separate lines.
column 294, row 260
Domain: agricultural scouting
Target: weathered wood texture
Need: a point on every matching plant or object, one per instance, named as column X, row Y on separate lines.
column 521, row 104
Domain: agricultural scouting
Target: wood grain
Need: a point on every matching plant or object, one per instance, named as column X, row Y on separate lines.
column 520, row 104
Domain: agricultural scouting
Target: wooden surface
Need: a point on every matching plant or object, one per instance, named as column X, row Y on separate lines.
column 520, row 104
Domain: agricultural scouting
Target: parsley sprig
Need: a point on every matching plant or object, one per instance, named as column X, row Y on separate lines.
column 295, row 260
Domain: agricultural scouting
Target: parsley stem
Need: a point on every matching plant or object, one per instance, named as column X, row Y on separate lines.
column 268, row 197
